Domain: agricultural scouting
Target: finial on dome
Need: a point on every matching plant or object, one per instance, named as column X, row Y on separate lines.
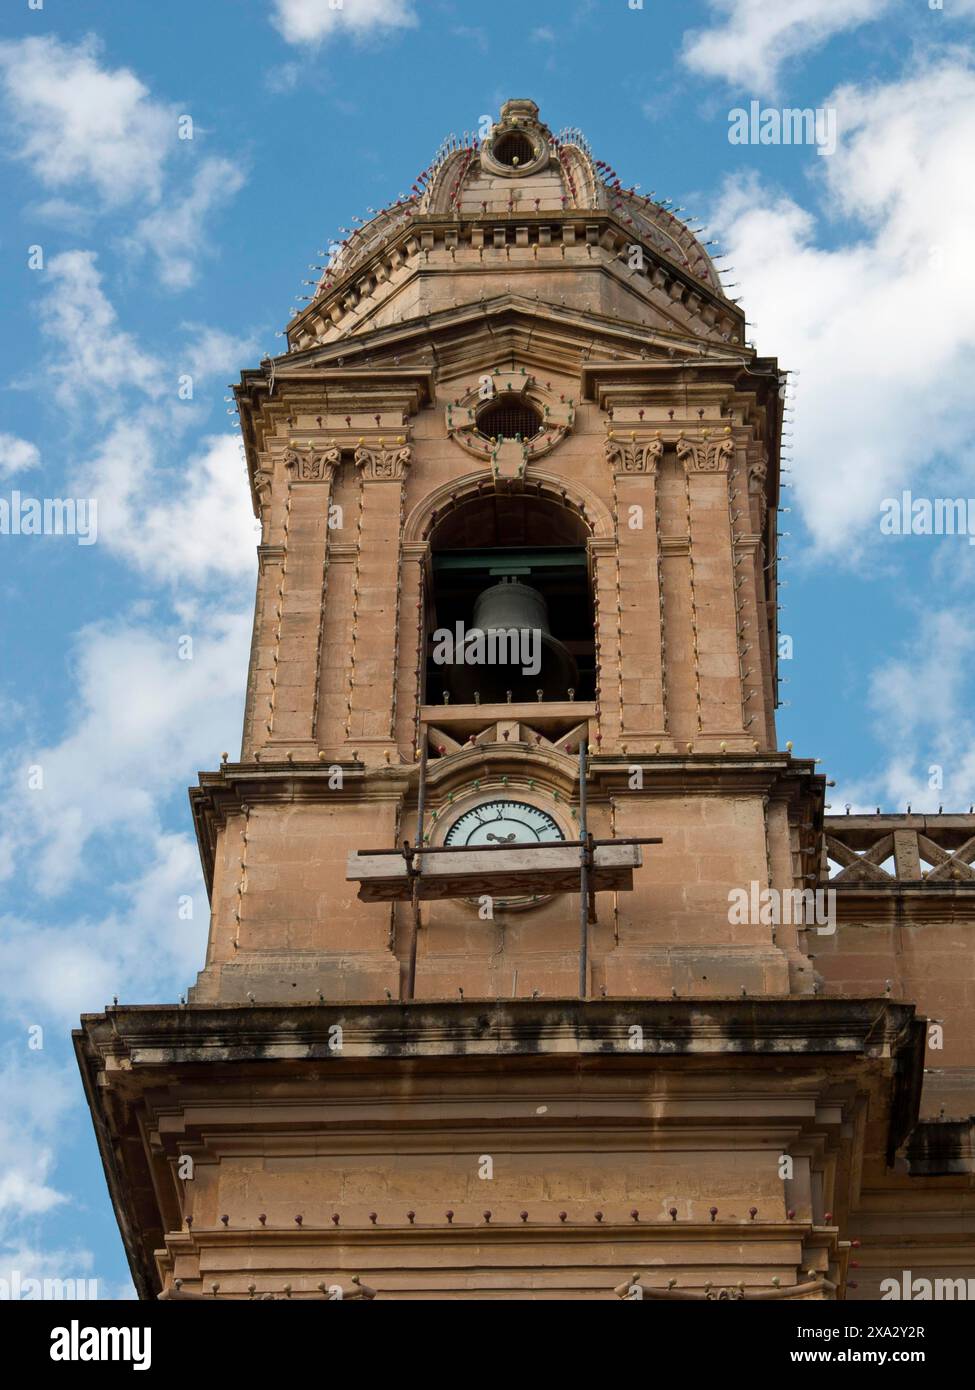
column 519, row 108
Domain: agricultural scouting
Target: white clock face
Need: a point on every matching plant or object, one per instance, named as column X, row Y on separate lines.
column 503, row 822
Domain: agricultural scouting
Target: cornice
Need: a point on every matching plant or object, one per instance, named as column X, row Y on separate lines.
column 153, row 1036
column 517, row 232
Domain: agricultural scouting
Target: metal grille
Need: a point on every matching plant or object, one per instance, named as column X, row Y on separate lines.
column 508, row 416
column 514, row 149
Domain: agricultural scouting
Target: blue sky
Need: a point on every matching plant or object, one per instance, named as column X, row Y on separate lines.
column 163, row 258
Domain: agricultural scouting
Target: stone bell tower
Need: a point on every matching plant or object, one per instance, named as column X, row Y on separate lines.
column 464, row 1029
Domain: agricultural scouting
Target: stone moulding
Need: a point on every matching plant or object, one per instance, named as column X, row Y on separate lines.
column 222, row 793
column 150, row 1034
column 558, row 416
column 812, row 1289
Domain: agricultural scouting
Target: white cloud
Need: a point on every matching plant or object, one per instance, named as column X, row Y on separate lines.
column 754, row 38
column 95, row 354
column 922, row 713
column 36, row 1096
column 143, row 721
column 283, row 78
column 79, row 966
column 76, row 122
column 175, row 233
column 882, row 325
column 310, row 21
column 64, row 213
column 187, row 521
column 208, row 529
column 41, row 1098
column 212, row 352
column 79, row 124
column 17, row 455
column 924, row 692
column 188, row 525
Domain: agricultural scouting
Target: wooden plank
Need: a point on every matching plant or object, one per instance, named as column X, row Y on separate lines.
column 554, row 869
column 538, row 714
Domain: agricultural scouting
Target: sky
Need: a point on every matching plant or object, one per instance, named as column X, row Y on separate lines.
column 170, row 174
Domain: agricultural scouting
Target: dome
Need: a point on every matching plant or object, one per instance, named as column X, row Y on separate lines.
column 545, row 204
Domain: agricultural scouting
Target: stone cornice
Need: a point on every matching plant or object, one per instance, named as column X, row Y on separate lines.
column 151, row 1036
column 236, row 785
column 611, row 382
column 517, row 234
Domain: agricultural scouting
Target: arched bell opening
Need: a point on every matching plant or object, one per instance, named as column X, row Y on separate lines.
column 510, row 614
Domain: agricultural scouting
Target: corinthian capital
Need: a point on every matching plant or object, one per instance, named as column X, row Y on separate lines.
column 382, row 464
column 627, row 454
column 707, row 454
column 310, row 465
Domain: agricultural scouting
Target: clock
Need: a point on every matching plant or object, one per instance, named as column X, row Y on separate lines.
column 504, row 822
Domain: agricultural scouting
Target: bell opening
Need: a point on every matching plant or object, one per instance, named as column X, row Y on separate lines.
column 509, row 622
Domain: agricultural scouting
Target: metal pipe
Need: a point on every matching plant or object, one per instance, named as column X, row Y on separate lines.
column 414, row 863
column 521, row 844
column 585, row 856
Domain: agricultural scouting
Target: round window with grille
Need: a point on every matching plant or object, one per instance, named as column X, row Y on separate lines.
column 514, row 149
column 507, row 416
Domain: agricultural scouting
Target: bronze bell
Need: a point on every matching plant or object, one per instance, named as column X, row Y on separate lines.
column 518, row 652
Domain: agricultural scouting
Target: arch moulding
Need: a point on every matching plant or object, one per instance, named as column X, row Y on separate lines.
column 593, row 512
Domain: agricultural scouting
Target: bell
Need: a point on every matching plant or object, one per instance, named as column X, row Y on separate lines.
column 510, row 647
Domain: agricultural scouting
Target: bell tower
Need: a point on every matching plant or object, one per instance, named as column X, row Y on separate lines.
column 477, row 1018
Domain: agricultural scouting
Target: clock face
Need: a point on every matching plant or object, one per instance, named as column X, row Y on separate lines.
column 504, row 822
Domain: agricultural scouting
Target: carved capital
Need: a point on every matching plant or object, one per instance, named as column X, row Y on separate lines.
column 757, row 472
column 757, row 475
column 707, row 454
column 381, row 464
column 263, row 479
column 310, row 465
column 632, row 455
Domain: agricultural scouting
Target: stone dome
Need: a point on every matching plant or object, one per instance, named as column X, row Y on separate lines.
column 520, row 198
